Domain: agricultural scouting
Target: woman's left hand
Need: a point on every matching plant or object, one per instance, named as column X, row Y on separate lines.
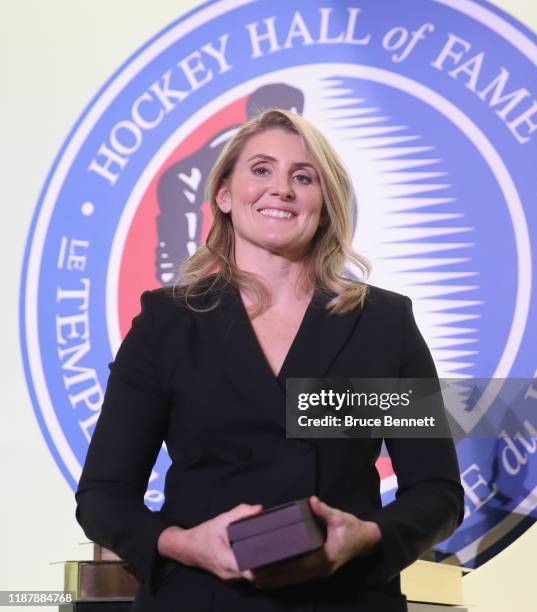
column 347, row 537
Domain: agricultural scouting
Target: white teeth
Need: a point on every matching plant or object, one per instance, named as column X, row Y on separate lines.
column 272, row 212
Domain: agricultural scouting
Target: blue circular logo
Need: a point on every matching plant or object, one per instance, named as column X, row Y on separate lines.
column 430, row 108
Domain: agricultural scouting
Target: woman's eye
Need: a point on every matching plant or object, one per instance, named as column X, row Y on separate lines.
column 260, row 170
column 303, row 178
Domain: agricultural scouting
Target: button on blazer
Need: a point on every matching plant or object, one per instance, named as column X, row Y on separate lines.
column 199, row 381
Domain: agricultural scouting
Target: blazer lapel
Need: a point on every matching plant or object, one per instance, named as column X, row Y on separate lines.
column 318, row 342
column 230, row 332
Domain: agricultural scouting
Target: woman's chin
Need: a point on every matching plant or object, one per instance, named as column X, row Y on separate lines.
column 278, row 245
column 290, row 250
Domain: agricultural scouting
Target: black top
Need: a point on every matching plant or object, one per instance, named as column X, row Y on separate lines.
column 200, row 382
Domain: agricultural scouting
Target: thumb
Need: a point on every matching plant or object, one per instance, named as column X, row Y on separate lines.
column 242, row 511
column 321, row 509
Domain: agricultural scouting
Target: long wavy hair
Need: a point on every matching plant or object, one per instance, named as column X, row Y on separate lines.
column 331, row 250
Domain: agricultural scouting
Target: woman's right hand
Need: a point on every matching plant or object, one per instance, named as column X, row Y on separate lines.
column 207, row 545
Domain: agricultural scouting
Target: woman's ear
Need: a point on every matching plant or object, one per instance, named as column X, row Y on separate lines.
column 223, row 198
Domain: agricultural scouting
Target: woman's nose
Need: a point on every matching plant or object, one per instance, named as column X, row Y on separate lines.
column 283, row 188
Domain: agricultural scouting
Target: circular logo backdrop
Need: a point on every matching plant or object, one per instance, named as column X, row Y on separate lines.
column 432, row 112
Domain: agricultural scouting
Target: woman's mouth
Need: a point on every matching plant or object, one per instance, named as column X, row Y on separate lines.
column 277, row 213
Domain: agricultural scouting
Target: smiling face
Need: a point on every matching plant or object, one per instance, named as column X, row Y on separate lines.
column 274, row 196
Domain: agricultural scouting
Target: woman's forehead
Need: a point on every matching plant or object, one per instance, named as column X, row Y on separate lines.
column 277, row 143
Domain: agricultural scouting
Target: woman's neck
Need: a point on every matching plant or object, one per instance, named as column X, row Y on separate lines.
column 283, row 278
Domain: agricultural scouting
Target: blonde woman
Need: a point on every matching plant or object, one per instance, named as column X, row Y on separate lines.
column 204, row 369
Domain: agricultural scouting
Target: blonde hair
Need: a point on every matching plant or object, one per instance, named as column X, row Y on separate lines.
column 331, row 246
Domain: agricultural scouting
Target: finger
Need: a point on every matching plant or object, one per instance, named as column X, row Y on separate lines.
column 242, row 511
column 248, row 575
column 321, row 509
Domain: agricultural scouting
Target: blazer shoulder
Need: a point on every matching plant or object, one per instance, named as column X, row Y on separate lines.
column 163, row 308
column 171, row 303
column 378, row 297
column 163, row 297
column 387, row 308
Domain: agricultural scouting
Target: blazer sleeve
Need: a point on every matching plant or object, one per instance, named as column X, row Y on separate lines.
column 429, row 502
column 123, row 449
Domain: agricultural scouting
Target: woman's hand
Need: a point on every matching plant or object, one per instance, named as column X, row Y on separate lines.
column 207, row 545
column 347, row 537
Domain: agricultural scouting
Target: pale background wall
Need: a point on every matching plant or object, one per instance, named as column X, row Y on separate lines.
column 54, row 56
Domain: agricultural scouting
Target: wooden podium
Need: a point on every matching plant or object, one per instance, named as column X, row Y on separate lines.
column 125, row 606
column 103, row 585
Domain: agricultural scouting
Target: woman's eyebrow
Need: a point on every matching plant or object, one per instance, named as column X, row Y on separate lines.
column 273, row 159
column 262, row 156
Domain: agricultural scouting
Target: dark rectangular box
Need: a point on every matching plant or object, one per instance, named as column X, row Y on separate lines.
column 275, row 534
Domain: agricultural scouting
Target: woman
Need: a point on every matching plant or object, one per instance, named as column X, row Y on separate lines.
column 204, row 369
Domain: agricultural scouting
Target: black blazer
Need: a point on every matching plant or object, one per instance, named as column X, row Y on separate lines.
column 200, row 382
